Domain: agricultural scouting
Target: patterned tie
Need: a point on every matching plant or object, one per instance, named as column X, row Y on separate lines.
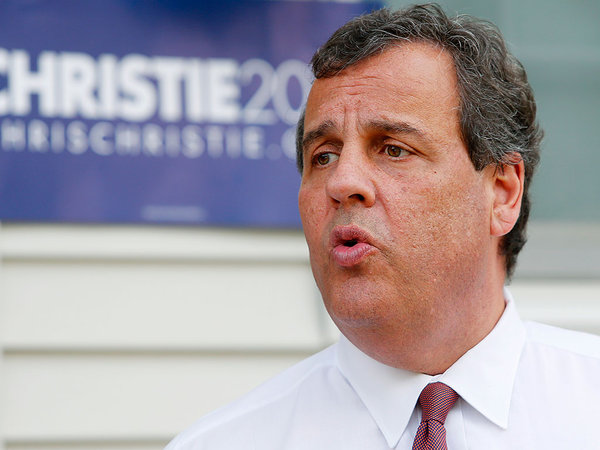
column 436, row 399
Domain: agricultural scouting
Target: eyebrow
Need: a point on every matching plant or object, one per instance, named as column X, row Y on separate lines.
column 395, row 128
column 379, row 125
column 317, row 133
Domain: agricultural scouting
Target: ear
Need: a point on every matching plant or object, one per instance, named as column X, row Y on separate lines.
column 509, row 181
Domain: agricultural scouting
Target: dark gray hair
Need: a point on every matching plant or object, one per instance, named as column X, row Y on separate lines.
column 497, row 107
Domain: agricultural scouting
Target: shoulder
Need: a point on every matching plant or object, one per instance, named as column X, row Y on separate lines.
column 557, row 372
column 557, row 356
column 266, row 404
column 560, row 340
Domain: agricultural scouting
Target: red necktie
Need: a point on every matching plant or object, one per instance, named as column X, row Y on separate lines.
column 436, row 399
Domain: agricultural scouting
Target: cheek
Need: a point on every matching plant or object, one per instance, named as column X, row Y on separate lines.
column 304, row 195
column 311, row 215
column 442, row 221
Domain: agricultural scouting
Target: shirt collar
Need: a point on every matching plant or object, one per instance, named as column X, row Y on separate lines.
column 483, row 377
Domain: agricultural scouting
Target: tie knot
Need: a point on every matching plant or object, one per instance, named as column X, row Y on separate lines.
column 436, row 399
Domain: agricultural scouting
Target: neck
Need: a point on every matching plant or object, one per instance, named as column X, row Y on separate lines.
column 440, row 339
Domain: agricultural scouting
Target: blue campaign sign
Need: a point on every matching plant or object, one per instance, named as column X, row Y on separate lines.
column 163, row 112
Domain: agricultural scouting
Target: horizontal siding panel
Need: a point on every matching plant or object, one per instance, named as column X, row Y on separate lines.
column 61, row 397
column 106, row 305
column 61, row 241
column 561, row 250
column 554, row 249
column 566, row 303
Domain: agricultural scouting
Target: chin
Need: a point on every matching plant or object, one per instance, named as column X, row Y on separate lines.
column 350, row 307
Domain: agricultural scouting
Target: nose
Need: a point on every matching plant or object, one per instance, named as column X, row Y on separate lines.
column 351, row 181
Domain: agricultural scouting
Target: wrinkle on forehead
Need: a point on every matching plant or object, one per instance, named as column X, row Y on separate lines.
column 381, row 67
column 413, row 83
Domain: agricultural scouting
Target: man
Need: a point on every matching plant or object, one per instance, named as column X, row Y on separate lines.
column 417, row 148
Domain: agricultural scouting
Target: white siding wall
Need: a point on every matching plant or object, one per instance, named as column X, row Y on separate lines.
column 117, row 338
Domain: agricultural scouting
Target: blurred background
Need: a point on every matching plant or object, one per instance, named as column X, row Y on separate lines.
column 152, row 266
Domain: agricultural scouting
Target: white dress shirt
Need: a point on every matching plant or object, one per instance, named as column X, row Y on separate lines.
column 524, row 386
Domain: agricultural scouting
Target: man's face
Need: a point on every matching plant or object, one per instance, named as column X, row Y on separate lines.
column 396, row 218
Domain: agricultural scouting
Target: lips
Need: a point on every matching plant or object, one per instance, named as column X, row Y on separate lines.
column 350, row 245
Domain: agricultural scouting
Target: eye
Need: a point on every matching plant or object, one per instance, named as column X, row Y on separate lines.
column 322, row 159
column 394, row 151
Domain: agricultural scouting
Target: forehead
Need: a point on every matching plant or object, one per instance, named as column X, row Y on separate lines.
column 415, row 80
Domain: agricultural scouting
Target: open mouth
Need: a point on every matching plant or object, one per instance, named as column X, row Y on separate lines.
column 349, row 236
column 350, row 245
